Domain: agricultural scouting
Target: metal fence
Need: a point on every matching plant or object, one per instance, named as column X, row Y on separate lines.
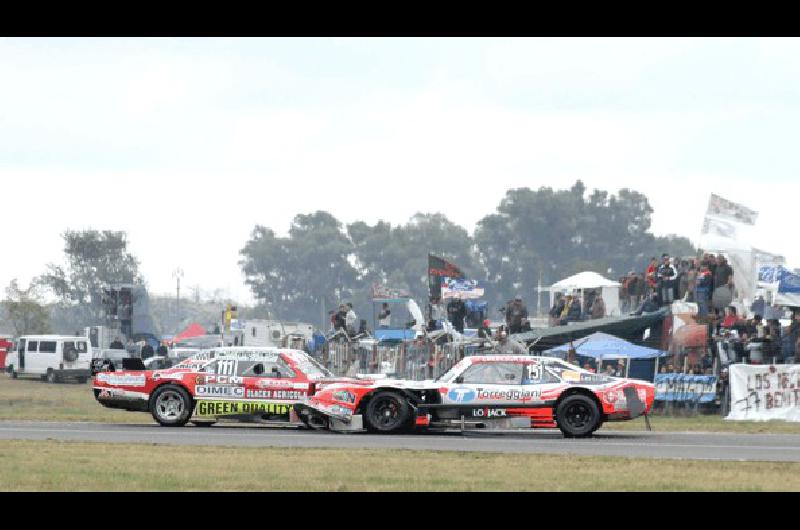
column 415, row 360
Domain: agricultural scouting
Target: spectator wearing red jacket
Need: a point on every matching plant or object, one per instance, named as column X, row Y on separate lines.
column 650, row 274
column 731, row 318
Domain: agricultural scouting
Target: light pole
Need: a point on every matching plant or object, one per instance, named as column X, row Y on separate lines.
column 178, row 274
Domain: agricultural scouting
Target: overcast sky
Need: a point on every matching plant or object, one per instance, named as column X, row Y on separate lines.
column 188, row 143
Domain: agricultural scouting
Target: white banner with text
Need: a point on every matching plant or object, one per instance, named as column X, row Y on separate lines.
column 764, row 392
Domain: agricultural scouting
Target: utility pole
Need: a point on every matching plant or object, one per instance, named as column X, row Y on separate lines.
column 178, row 274
column 539, row 295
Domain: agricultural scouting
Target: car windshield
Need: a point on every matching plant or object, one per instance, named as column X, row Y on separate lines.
column 311, row 367
column 448, row 375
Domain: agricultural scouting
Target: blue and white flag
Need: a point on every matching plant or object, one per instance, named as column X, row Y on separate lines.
column 788, row 282
column 461, row 288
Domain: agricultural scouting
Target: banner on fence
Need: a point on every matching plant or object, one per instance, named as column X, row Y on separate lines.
column 686, row 387
column 765, row 392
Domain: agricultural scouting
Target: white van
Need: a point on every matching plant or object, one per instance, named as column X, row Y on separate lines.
column 50, row 357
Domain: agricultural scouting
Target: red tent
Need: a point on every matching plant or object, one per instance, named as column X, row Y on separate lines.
column 194, row 330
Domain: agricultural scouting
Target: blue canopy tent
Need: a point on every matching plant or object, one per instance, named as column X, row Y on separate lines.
column 642, row 361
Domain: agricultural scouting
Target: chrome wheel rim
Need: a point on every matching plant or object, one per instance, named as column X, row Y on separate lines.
column 169, row 405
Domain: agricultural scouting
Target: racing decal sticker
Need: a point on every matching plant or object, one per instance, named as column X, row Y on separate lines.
column 110, row 378
column 461, row 394
column 218, row 390
column 222, row 380
column 261, row 383
column 118, row 393
column 176, row 375
column 489, row 413
column 570, row 375
column 510, row 394
column 275, row 394
column 223, row 408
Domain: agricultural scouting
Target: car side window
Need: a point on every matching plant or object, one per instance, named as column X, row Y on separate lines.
column 265, row 368
column 33, row 345
column 494, row 374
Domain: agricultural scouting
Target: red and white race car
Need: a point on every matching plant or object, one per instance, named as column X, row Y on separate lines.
column 483, row 391
column 246, row 383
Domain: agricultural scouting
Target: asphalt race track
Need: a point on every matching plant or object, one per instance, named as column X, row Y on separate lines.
column 705, row 446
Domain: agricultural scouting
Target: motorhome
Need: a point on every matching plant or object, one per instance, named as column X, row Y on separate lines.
column 53, row 358
column 267, row 333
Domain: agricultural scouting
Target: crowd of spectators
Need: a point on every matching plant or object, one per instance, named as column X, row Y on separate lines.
column 567, row 308
column 689, row 279
column 756, row 340
column 345, row 320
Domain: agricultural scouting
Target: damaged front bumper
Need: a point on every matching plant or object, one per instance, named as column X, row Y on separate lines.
column 335, row 417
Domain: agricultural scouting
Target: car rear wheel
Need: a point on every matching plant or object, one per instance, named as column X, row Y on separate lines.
column 578, row 416
column 171, row 406
column 11, row 373
column 388, row 412
column 51, row 377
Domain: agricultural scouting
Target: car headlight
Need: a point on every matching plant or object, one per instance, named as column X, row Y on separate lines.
column 345, row 396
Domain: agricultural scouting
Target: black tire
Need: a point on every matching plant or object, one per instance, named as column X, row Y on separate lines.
column 11, row 373
column 171, row 406
column 388, row 412
column 71, row 356
column 578, row 416
column 51, row 377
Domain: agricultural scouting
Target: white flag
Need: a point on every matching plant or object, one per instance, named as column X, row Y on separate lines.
column 718, row 227
column 730, row 210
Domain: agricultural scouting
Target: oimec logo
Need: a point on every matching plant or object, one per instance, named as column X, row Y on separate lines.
column 461, row 394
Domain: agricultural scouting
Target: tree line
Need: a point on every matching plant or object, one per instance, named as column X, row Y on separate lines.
column 542, row 234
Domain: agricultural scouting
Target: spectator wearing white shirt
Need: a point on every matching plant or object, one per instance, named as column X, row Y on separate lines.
column 351, row 320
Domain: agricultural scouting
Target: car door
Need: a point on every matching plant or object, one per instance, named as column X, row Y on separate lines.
column 47, row 357
column 32, row 357
column 271, row 384
column 21, row 355
column 487, row 383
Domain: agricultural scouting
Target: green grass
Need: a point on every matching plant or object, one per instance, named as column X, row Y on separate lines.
column 704, row 423
column 82, row 466
column 26, row 399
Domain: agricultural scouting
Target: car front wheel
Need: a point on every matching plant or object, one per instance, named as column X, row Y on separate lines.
column 577, row 416
column 388, row 412
column 171, row 406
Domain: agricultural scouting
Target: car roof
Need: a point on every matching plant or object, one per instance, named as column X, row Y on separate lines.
column 498, row 357
column 54, row 337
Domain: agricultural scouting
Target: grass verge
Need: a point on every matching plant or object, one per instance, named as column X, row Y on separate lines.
column 83, row 466
column 29, row 399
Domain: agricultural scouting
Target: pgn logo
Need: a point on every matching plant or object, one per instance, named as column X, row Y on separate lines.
column 461, row 394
